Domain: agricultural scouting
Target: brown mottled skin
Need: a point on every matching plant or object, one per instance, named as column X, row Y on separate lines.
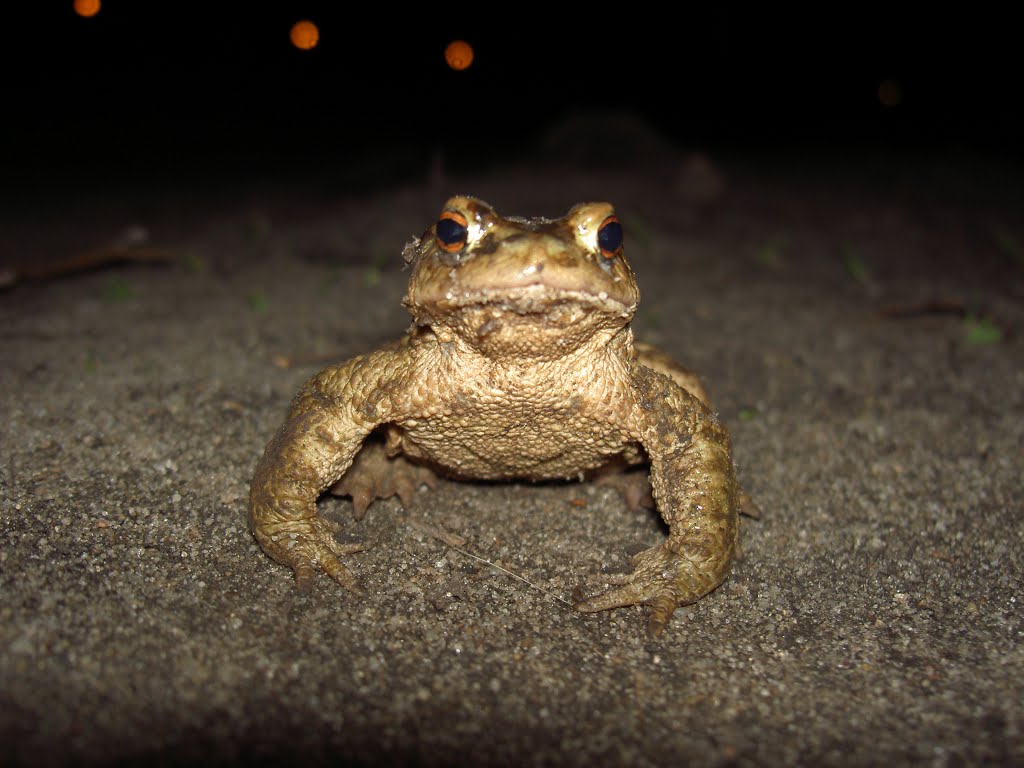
column 520, row 364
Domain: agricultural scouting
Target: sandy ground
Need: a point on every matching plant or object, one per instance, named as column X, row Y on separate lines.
column 875, row 617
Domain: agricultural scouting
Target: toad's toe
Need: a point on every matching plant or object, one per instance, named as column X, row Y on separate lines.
column 662, row 580
column 374, row 475
column 307, row 546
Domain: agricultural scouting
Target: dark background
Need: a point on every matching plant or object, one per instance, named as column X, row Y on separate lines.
column 153, row 89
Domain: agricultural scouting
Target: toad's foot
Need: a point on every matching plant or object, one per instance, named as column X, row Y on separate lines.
column 374, row 475
column 661, row 579
column 307, row 546
column 748, row 507
column 632, row 483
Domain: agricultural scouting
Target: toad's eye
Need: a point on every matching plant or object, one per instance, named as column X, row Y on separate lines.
column 452, row 230
column 609, row 237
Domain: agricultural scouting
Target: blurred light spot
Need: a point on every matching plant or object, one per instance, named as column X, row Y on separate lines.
column 305, row 35
column 458, row 54
column 87, row 8
column 890, row 94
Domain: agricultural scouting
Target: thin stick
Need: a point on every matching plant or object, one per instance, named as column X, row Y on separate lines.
column 507, row 572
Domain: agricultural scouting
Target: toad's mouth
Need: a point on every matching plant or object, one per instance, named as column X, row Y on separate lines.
column 531, row 302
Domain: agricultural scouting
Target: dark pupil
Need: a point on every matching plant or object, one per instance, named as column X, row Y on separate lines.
column 450, row 232
column 609, row 238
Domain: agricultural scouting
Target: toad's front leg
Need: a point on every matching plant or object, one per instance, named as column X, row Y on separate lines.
column 329, row 420
column 695, row 489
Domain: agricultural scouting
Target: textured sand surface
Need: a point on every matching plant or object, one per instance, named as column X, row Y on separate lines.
column 876, row 615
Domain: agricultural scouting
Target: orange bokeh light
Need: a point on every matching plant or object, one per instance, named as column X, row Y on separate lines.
column 458, row 54
column 87, row 8
column 890, row 94
column 304, row 34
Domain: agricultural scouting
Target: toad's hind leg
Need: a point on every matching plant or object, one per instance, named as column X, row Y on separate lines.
column 380, row 472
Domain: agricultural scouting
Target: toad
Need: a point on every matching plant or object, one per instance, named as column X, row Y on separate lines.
column 520, row 364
